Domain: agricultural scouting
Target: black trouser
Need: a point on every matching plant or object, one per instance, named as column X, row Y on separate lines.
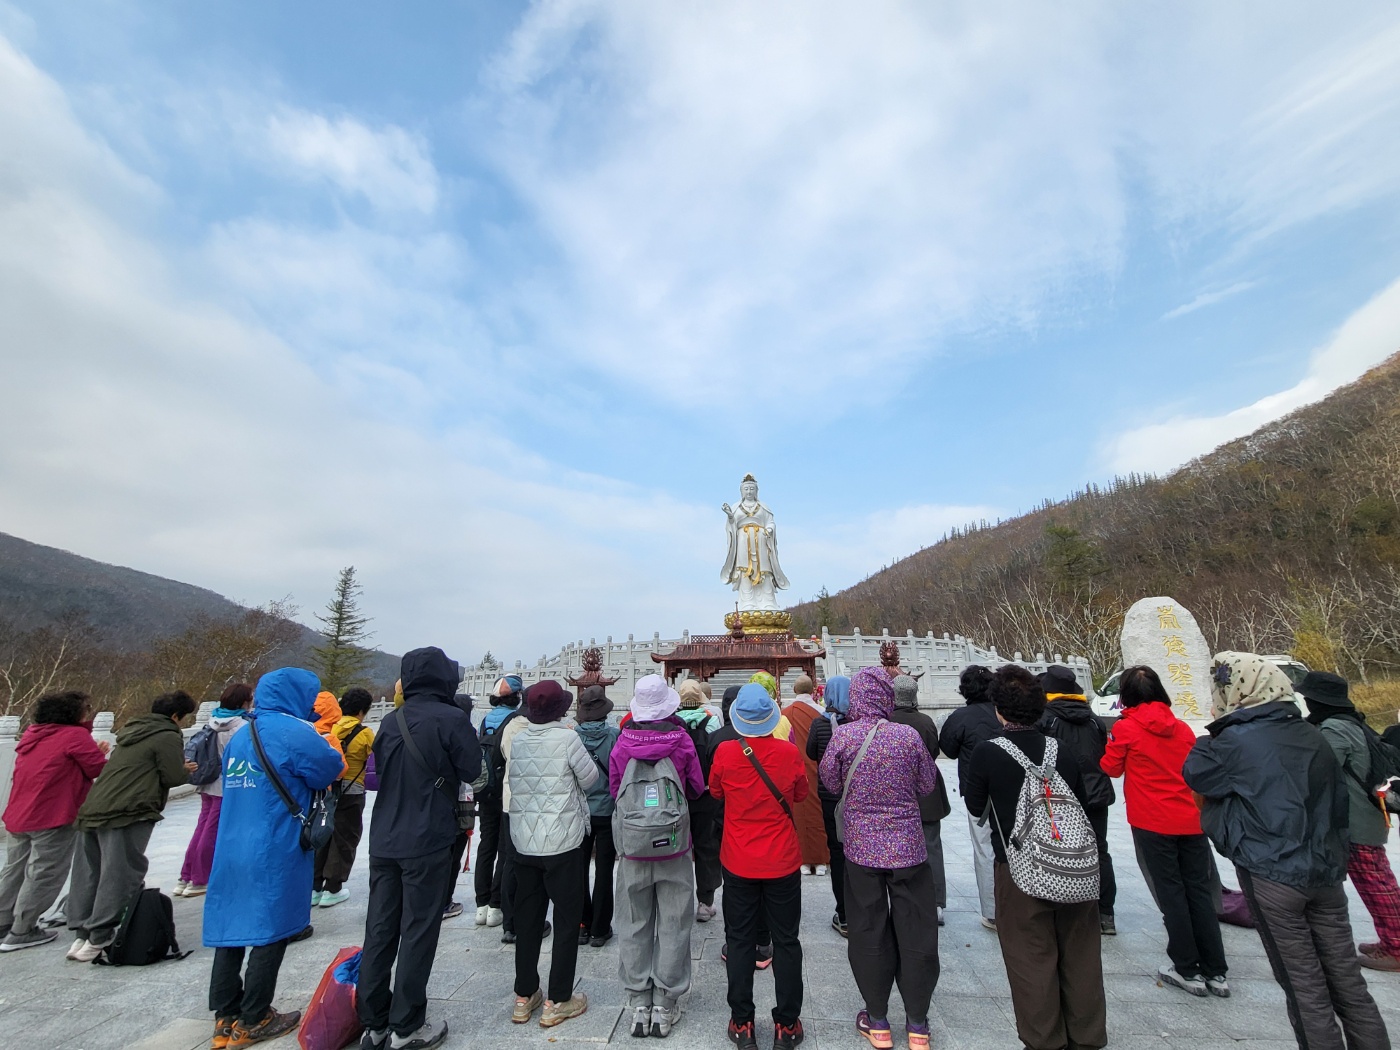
column 704, row 839
column 403, row 921
column 893, row 936
column 1307, row 937
column 1179, row 871
column 837, row 865
column 488, row 870
column 335, row 859
column 540, row 880
column 509, row 856
column 247, row 999
column 1108, row 885
column 598, row 908
column 748, row 903
column 460, row 846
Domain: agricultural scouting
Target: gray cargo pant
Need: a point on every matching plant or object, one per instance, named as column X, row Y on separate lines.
column 36, row 866
column 655, row 914
column 1307, row 936
column 109, row 867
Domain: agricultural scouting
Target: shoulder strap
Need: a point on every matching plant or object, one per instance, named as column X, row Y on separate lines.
column 864, row 746
column 412, row 745
column 763, row 774
column 1047, row 766
column 345, row 745
column 272, row 776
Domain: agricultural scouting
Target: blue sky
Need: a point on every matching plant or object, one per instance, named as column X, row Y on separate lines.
column 498, row 302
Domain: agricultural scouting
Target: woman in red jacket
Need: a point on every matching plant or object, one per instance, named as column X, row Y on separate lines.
column 55, row 764
column 1147, row 748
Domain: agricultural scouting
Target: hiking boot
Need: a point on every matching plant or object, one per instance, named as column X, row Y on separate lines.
column 272, row 1026
column 223, row 1032
column 989, row 924
column 330, row 900
column 839, row 925
column 452, row 910
column 494, row 916
column 524, row 1008
column 1379, row 959
column 1368, row 947
column 374, row 1039
column 1194, row 985
column 195, row 891
column 482, row 914
column 788, row 1037
column 875, row 1029
column 15, row 942
column 917, row 1034
column 557, row 1013
column 600, row 939
column 1218, row 986
column 641, row 1022
column 433, row 1033
column 664, row 1018
column 705, row 912
column 741, row 1035
column 1107, row 927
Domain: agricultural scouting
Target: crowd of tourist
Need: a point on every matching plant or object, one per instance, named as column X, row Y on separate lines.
column 676, row 802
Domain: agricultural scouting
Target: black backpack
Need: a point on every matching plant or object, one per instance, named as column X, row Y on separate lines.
column 1385, row 767
column 699, row 734
column 146, row 935
column 493, row 762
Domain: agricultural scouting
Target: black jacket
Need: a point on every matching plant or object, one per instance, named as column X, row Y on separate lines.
column 995, row 778
column 1275, row 801
column 413, row 817
column 1083, row 734
column 932, row 807
column 818, row 740
column 963, row 730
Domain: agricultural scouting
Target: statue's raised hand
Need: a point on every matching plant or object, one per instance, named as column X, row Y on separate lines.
column 725, row 507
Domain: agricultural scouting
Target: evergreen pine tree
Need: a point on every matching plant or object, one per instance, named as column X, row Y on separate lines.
column 342, row 660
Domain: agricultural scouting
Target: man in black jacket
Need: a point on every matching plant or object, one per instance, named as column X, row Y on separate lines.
column 962, row 731
column 1071, row 721
column 933, row 807
column 410, row 850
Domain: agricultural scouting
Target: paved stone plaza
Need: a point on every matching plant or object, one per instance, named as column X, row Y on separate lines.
column 46, row 1002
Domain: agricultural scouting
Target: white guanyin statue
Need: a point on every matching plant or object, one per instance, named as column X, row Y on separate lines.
column 751, row 566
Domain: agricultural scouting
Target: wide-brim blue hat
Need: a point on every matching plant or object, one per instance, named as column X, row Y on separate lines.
column 754, row 712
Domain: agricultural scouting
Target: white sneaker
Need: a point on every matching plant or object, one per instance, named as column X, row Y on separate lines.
column 316, row 896
column 1218, row 986
column 432, row 1034
column 494, row 917
column 74, row 948
column 641, row 1022
column 482, row 914
column 705, row 912
column 87, row 952
column 179, row 890
column 821, row 869
column 1194, row 985
column 330, row 900
column 663, row 1019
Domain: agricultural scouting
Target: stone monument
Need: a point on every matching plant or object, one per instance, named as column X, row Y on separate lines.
column 751, row 564
column 1162, row 634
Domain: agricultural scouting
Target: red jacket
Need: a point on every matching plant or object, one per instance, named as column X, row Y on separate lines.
column 760, row 841
column 55, row 766
column 1147, row 747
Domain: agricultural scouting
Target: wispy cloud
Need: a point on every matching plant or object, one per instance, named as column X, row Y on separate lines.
column 1209, row 299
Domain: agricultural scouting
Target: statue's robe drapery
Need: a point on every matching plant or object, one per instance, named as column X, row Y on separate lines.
column 752, row 551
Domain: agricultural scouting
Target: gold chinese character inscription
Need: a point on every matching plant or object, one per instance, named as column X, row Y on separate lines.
column 1174, row 645
column 1188, row 701
column 1180, row 674
column 1166, row 618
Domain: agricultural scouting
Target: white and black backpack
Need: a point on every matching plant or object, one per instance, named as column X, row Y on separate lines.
column 1052, row 851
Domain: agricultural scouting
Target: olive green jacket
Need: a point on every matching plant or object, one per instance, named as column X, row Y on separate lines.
column 147, row 761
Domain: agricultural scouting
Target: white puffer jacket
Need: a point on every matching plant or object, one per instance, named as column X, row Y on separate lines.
column 549, row 772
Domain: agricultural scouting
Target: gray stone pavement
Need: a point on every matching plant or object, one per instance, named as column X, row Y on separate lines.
column 46, row 1002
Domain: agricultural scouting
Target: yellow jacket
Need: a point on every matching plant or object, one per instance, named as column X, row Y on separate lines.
column 357, row 751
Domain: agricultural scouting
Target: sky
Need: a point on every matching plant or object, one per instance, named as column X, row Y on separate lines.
column 498, row 302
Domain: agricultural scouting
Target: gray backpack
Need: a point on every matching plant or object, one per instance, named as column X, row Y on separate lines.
column 652, row 818
column 1052, row 852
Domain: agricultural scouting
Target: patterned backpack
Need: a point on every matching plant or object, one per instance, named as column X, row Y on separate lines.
column 1052, row 852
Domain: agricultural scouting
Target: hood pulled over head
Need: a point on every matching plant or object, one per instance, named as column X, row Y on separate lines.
column 872, row 694
column 290, row 690
column 428, row 674
column 838, row 694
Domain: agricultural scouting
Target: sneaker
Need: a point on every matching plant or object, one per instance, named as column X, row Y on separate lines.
column 494, row 916
column 75, row 948
column 452, row 910
column 1379, row 959
column 87, row 953
column 705, row 912
column 482, row 914
column 374, row 1039
column 664, row 1018
column 303, row 935
column 223, row 1032
column 1194, row 985
column 508, row 937
column 839, row 925
column 787, row 1037
column 1218, row 986
column 19, row 941
column 196, row 891
column 940, row 917
column 316, row 896
column 875, row 1029
column 741, row 1035
column 433, row 1033
column 917, row 1034
column 1367, row 947
column 584, row 936
column 989, row 924
column 763, row 959
column 557, row 1013
column 272, row 1026
column 821, row 869
column 1107, row 927
column 179, row 890
column 525, row 1007
column 641, row 1022
column 600, row 939
column 330, row 900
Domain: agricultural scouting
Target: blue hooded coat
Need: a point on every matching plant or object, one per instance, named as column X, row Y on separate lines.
column 260, row 888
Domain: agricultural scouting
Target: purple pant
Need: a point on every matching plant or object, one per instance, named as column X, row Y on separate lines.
column 199, row 856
